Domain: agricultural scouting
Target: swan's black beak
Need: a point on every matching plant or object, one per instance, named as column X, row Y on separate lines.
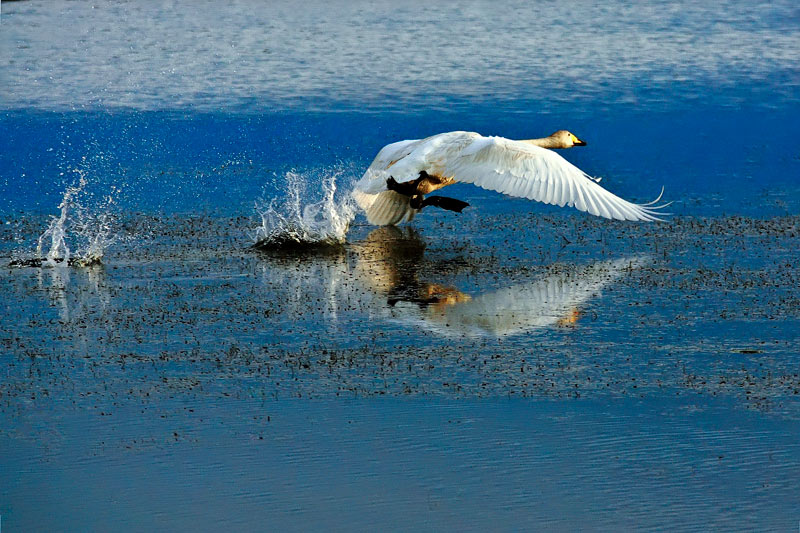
column 576, row 141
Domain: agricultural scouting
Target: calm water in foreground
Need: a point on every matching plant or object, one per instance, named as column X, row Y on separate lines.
column 512, row 367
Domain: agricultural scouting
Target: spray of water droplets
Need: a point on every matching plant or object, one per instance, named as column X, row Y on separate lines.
column 88, row 230
column 300, row 216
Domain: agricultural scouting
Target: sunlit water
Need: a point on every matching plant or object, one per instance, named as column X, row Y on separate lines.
column 199, row 330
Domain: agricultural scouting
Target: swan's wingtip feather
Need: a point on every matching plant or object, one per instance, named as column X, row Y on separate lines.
column 656, row 200
column 652, row 211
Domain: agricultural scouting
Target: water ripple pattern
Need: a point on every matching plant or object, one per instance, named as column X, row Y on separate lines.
column 380, row 55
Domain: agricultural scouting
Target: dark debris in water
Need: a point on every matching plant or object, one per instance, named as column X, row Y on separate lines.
column 292, row 246
column 187, row 310
column 39, row 262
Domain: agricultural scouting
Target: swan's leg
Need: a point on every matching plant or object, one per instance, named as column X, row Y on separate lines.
column 408, row 188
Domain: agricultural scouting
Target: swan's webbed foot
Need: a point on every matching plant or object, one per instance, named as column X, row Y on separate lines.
column 443, row 202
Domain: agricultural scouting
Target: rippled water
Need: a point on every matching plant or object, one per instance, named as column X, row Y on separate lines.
column 172, row 356
column 392, row 56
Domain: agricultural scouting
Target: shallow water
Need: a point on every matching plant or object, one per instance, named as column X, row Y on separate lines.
column 513, row 366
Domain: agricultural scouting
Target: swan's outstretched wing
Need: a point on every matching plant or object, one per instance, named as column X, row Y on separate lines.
column 520, row 169
column 403, row 161
column 384, row 207
column 392, row 153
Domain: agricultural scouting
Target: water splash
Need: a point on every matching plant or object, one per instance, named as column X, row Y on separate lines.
column 56, row 232
column 90, row 230
column 295, row 219
column 97, row 232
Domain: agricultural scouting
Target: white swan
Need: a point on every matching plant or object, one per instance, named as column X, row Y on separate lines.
column 394, row 186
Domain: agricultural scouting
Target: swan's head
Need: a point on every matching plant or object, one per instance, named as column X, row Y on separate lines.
column 565, row 139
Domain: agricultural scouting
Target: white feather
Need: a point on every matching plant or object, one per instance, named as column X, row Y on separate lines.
column 386, row 208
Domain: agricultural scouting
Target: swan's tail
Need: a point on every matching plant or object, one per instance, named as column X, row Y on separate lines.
column 386, row 208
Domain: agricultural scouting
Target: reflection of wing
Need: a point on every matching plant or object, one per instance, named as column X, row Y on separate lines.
column 521, row 308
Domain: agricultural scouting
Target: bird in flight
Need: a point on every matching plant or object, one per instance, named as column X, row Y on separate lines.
column 394, row 187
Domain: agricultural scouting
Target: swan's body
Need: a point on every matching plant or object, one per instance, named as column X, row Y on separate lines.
column 525, row 169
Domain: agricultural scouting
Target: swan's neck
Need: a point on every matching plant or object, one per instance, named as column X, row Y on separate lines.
column 544, row 142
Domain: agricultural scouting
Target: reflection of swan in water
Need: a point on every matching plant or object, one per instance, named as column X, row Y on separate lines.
column 390, row 262
column 76, row 293
column 389, row 276
column 554, row 300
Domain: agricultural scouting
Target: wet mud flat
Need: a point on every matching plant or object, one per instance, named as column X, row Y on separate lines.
column 665, row 357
